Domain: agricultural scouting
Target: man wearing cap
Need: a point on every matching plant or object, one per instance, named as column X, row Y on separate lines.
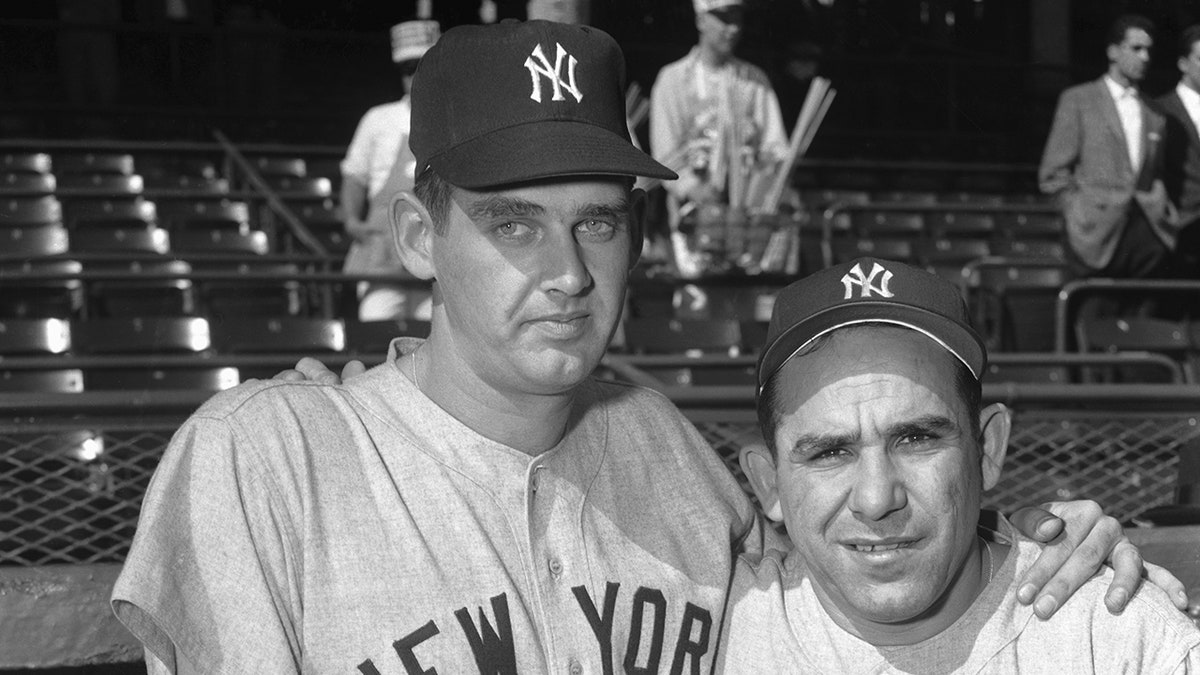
column 379, row 164
column 713, row 116
column 477, row 503
column 878, row 451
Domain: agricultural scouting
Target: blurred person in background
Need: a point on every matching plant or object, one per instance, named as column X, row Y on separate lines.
column 379, row 165
column 1181, row 162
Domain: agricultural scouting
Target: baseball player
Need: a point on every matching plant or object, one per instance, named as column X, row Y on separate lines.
column 477, row 503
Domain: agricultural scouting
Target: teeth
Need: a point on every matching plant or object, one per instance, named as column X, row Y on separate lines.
column 873, row 549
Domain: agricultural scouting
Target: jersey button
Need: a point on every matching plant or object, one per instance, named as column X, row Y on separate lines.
column 556, row 567
column 536, row 481
column 575, row 667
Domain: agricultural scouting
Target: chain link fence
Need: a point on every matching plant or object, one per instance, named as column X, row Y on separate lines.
column 70, row 490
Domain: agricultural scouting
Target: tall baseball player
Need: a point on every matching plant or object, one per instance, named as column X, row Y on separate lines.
column 477, row 503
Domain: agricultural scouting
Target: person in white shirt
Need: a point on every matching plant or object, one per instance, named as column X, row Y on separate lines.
column 1103, row 160
column 878, row 451
column 1181, row 155
column 378, row 165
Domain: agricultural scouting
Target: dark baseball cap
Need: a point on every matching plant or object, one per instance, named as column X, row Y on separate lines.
column 870, row 290
column 518, row 101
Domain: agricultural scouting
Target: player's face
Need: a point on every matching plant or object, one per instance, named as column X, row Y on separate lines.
column 720, row 31
column 1132, row 56
column 532, row 280
column 879, row 476
column 1190, row 67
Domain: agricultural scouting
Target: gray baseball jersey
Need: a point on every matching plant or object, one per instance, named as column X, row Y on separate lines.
column 361, row 528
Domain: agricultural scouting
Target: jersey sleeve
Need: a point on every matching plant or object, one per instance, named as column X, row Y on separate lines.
column 212, row 573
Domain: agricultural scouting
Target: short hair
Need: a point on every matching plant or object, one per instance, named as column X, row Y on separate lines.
column 435, row 195
column 1118, row 29
column 1191, row 35
column 968, row 388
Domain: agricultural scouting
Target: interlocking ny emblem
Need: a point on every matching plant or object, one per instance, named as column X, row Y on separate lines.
column 866, row 282
column 539, row 66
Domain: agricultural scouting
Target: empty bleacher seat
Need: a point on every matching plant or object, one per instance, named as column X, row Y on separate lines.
column 1029, row 248
column 135, row 378
column 141, row 335
column 962, row 224
column 885, row 223
column 850, row 247
column 249, row 297
column 59, row 298
column 162, row 166
column 34, row 336
column 905, row 197
column 659, row 335
column 101, row 184
column 145, row 296
column 1031, row 225
column 1013, row 302
column 957, row 252
column 129, row 240
column 254, row 242
column 279, row 334
column 34, row 242
column 294, row 167
column 195, row 186
column 1135, row 333
column 324, row 221
column 301, row 188
column 25, row 162
column 27, row 184
column 205, row 214
column 60, row 380
column 94, row 162
column 22, row 212
column 136, row 213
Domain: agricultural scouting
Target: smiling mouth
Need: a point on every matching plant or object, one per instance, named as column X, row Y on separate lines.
column 878, row 548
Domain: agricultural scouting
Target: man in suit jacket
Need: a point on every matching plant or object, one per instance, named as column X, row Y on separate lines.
column 1181, row 152
column 1103, row 159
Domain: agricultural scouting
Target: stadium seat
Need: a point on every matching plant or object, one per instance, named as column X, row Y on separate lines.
column 373, row 337
column 51, row 380
column 848, row 248
column 982, row 181
column 193, row 186
column 325, row 223
column 144, row 297
column 754, row 335
column 205, row 214
column 293, row 167
column 970, row 198
column 1137, row 333
column 1028, row 373
column 249, row 297
column 57, row 298
column 279, row 335
column 132, row 378
column 142, row 335
column 165, row 167
column 87, row 213
column 1029, row 248
column 27, row 184
column 34, row 242
column 921, row 181
column 1014, row 303
column 221, row 241
column 25, row 162
column 132, row 240
column 292, row 188
column 957, row 224
column 888, row 223
column 1032, row 225
column 34, row 336
column 23, row 212
column 100, row 184
column 658, row 335
column 905, row 197
column 955, row 252
column 94, row 162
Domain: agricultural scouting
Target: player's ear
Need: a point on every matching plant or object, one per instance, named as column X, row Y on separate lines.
column 759, row 466
column 637, row 224
column 412, row 234
column 995, row 424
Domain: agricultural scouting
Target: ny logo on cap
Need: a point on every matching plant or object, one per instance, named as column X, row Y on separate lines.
column 541, row 67
column 866, row 282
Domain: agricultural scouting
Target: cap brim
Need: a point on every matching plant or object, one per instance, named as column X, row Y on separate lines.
column 964, row 344
column 543, row 149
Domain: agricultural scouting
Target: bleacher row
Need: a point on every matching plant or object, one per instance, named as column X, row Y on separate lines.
column 177, row 224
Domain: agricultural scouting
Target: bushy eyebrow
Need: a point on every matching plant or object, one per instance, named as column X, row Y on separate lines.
column 495, row 207
column 812, row 444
